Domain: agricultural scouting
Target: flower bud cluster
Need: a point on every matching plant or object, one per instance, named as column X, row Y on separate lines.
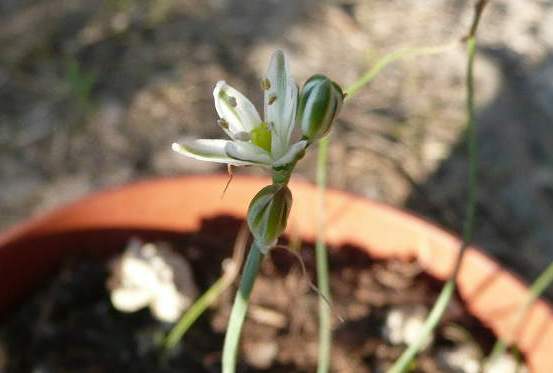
column 319, row 103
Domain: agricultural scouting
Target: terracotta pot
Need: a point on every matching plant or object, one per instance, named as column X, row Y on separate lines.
column 104, row 222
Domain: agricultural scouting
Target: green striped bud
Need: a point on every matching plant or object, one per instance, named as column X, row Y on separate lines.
column 320, row 102
column 268, row 214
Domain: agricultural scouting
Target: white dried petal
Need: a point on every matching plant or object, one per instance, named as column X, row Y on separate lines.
column 130, row 299
column 152, row 275
column 404, row 324
column 169, row 304
column 505, row 363
column 463, row 359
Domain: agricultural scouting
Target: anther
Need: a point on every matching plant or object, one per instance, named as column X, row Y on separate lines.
column 265, row 84
column 272, row 99
column 223, row 123
column 227, row 98
column 232, row 101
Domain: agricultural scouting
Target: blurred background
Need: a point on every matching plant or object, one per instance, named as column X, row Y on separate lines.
column 92, row 94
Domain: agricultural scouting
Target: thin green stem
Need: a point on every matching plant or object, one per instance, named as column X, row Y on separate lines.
column 240, row 308
column 468, row 227
column 192, row 314
column 403, row 363
column 230, row 272
column 325, row 317
column 388, row 59
column 430, row 323
column 544, row 280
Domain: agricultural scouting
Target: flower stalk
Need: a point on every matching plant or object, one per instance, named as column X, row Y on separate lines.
column 404, row 361
column 325, row 316
column 240, row 308
column 267, row 143
column 321, row 256
column 231, row 270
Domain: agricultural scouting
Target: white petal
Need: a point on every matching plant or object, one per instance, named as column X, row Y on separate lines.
column 280, row 103
column 235, row 109
column 248, row 152
column 207, row 150
column 168, row 304
column 130, row 299
column 292, row 155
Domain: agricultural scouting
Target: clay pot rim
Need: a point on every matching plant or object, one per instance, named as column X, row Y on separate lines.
column 382, row 230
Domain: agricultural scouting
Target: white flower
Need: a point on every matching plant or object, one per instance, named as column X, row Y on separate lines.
column 252, row 140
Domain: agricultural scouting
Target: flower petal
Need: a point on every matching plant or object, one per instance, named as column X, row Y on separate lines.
column 235, row 109
column 281, row 98
column 208, row 150
column 294, row 153
column 248, row 152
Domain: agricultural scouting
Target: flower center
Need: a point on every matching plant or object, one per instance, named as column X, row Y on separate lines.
column 261, row 136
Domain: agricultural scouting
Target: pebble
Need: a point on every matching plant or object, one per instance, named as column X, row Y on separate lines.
column 261, row 354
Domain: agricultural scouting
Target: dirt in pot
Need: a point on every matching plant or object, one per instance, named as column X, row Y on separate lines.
column 70, row 325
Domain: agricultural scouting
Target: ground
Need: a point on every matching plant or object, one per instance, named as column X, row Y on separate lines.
column 92, row 94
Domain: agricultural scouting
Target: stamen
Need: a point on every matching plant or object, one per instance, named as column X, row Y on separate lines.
column 232, row 101
column 265, row 84
column 272, row 99
column 223, row 123
column 229, row 99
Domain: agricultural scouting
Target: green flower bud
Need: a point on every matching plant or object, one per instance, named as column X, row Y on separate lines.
column 320, row 101
column 268, row 214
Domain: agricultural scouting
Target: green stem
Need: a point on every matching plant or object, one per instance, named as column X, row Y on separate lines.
column 325, row 327
column 240, row 308
column 388, row 59
column 543, row 281
column 430, row 323
column 195, row 311
column 403, row 363
column 468, row 227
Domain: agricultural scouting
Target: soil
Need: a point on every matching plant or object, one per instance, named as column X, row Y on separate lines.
column 69, row 324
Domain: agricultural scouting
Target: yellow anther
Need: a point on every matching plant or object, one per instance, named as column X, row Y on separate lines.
column 265, row 84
